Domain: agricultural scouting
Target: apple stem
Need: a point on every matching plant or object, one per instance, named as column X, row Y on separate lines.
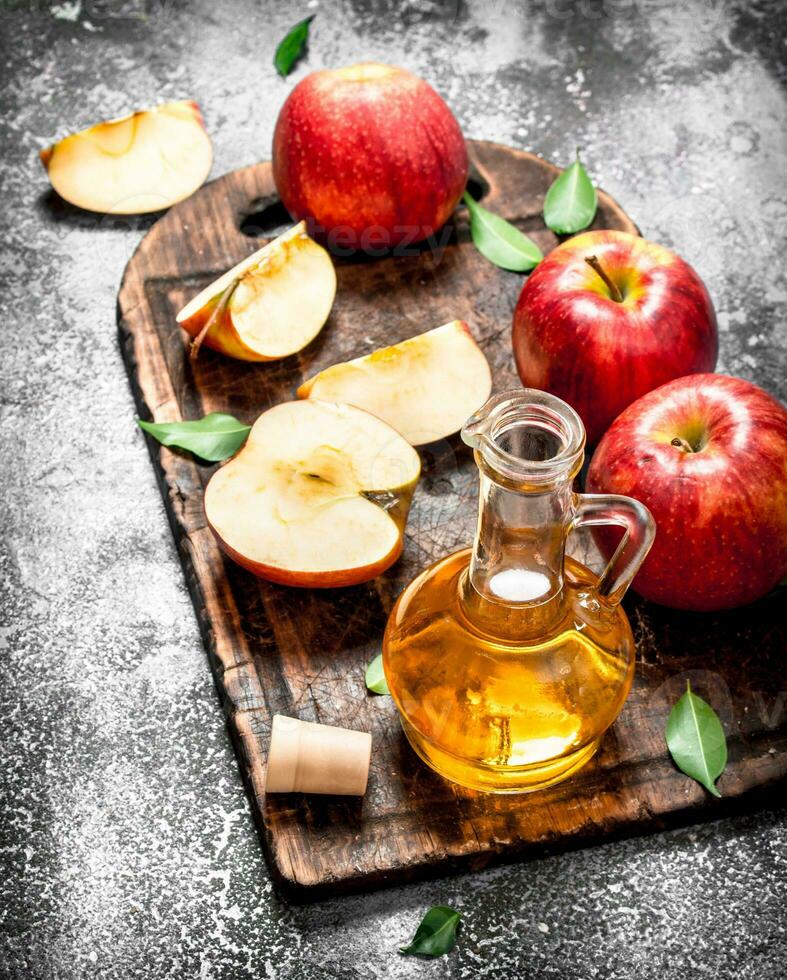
column 218, row 310
column 682, row 444
column 597, row 267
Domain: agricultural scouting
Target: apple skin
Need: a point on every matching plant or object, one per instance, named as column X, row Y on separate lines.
column 721, row 511
column 572, row 339
column 222, row 337
column 334, row 579
column 370, row 156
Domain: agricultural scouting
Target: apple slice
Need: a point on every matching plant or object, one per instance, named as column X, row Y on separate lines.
column 270, row 305
column 318, row 496
column 143, row 162
column 426, row 387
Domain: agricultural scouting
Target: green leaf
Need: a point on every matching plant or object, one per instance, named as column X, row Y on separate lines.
column 291, row 47
column 571, row 201
column 375, row 678
column 696, row 740
column 436, row 934
column 215, row 437
column 499, row 241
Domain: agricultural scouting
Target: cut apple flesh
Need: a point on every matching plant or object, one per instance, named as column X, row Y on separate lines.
column 133, row 165
column 270, row 305
column 317, row 497
column 425, row 387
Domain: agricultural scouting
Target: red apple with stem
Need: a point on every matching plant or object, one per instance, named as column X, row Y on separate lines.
column 707, row 455
column 608, row 316
column 370, row 156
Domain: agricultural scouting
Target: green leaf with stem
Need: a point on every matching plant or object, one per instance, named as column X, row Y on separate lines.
column 571, row 201
column 499, row 241
column 291, row 46
column 696, row 740
column 215, row 437
column 436, row 934
column 375, row 678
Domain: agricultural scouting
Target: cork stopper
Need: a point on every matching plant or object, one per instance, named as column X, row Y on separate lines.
column 308, row 758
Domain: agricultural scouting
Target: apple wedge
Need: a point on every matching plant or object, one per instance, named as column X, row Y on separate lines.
column 425, row 387
column 139, row 163
column 270, row 305
column 317, row 497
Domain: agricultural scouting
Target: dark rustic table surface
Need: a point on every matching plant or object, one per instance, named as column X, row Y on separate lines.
column 125, row 837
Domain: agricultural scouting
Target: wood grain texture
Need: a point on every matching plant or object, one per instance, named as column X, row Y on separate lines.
column 303, row 653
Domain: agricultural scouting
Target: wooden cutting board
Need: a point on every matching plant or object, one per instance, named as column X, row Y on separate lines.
column 303, row 653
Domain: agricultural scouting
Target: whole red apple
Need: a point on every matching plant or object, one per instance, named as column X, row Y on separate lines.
column 608, row 316
column 370, row 156
column 707, row 455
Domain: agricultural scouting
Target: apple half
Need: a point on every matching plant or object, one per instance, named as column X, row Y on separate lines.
column 136, row 164
column 425, row 387
column 317, row 497
column 270, row 305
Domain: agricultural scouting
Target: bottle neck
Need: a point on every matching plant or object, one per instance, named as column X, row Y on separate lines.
column 516, row 570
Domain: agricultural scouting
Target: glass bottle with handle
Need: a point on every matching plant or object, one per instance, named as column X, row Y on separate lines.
column 509, row 660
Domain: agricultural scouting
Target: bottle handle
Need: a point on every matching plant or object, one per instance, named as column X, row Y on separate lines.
column 639, row 532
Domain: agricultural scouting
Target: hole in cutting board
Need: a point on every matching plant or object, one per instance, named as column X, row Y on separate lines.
column 477, row 186
column 268, row 219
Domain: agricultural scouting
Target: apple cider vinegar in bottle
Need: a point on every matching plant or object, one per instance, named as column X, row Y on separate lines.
column 508, row 661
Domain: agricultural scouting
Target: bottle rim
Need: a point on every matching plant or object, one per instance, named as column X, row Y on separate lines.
column 551, row 424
